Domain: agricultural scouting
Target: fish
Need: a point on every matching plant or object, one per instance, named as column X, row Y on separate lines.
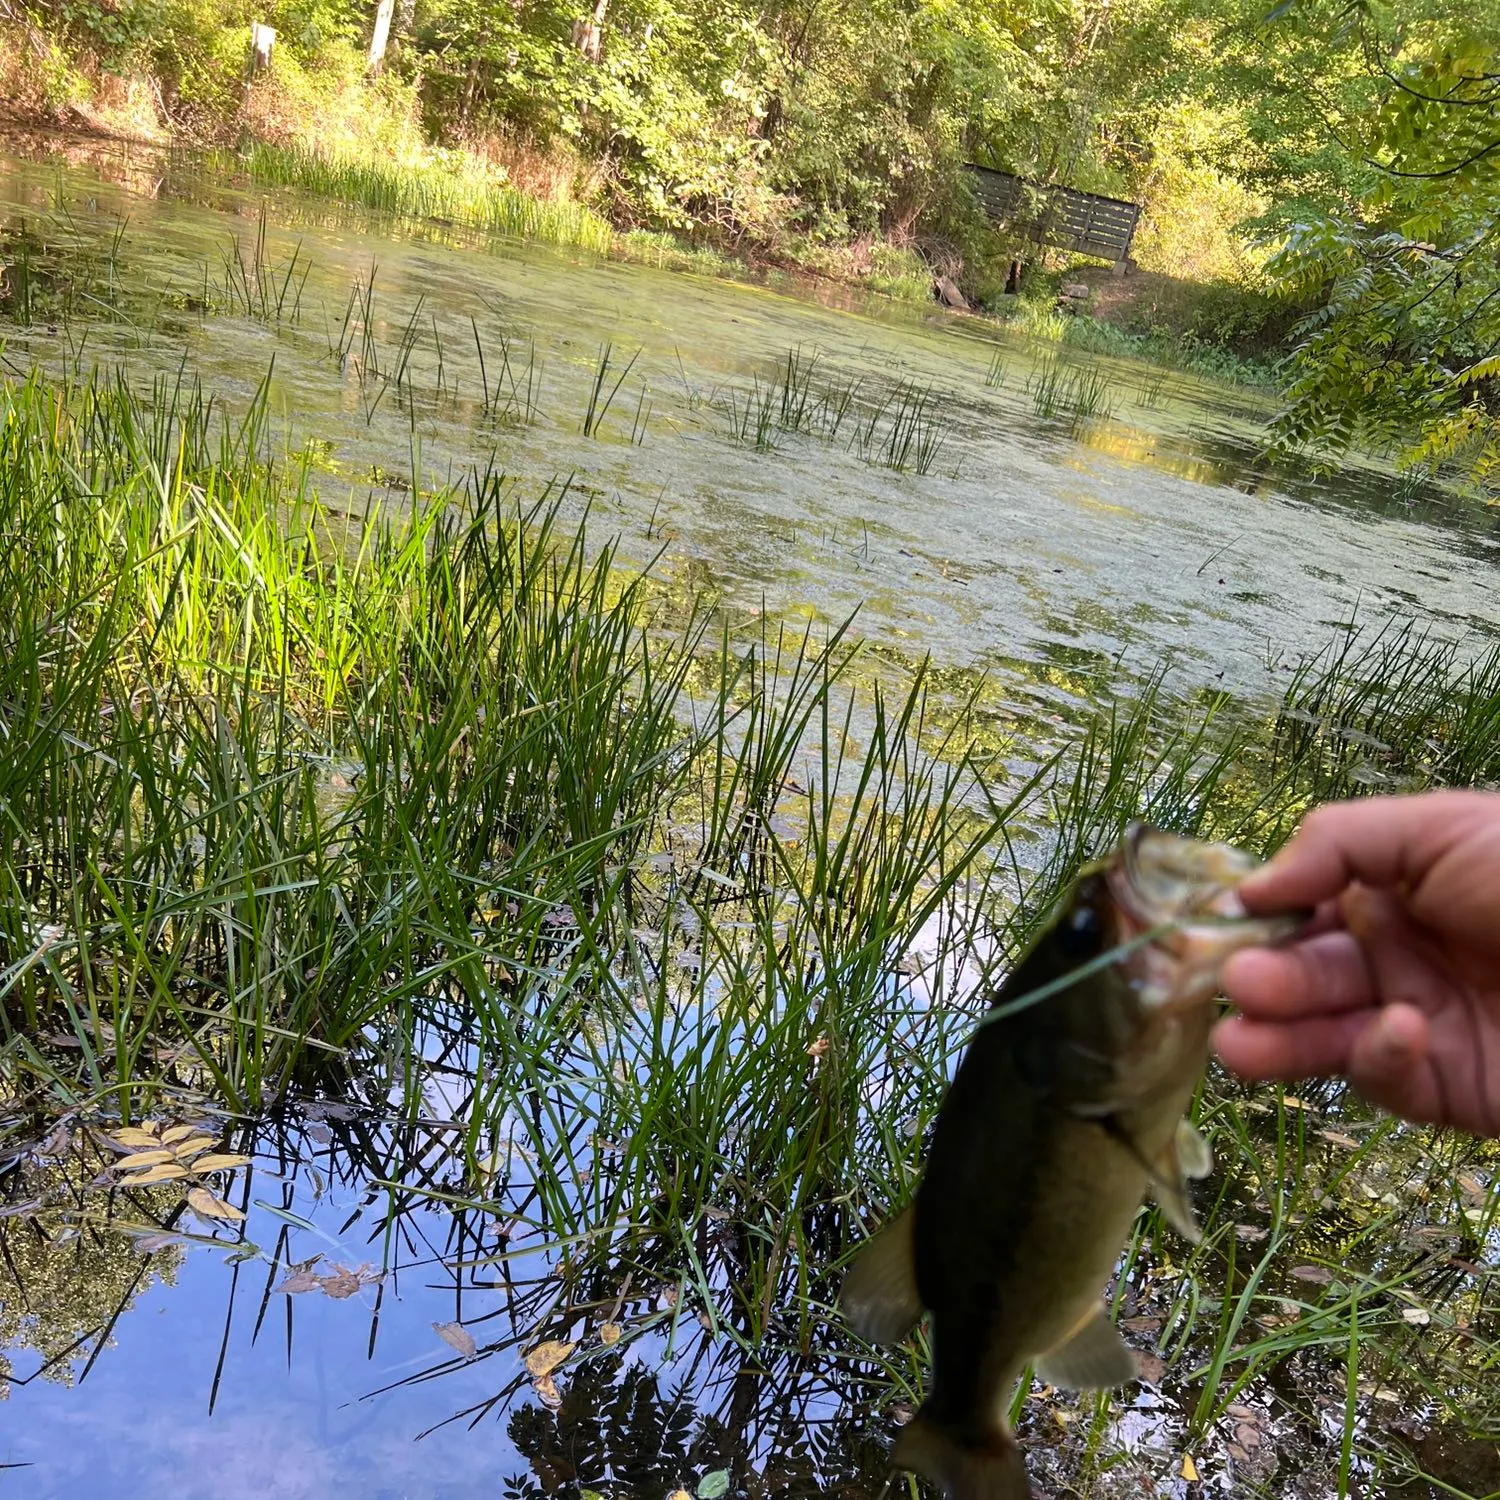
column 1062, row 1115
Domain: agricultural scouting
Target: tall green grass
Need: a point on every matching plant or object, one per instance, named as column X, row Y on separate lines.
column 314, row 798
column 429, row 192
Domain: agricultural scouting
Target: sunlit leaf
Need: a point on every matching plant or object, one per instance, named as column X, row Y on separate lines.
column 458, row 1338
column 189, row 1146
column 545, row 1358
column 201, row 1201
column 144, row 1159
column 175, row 1133
column 164, row 1172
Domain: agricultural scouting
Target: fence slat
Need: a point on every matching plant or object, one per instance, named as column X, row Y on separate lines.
column 1066, row 217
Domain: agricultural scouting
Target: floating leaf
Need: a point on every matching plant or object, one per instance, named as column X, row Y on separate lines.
column 175, row 1133
column 547, row 1391
column 164, row 1172
column 341, row 1283
column 220, row 1162
column 457, row 1338
column 300, row 1281
column 545, row 1358
column 713, row 1486
column 189, row 1146
column 132, row 1138
column 201, row 1201
column 143, row 1159
column 609, row 1333
column 1189, row 1469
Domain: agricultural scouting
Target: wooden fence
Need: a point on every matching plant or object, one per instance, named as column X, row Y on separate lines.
column 1061, row 216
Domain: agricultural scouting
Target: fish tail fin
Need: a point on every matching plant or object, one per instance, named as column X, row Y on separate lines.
column 991, row 1469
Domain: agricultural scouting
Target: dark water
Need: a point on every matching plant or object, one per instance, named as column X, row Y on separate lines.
column 1047, row 556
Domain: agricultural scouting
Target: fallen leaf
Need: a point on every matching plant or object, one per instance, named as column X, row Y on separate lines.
column 1418, row 1317
column 547, row 1391
column 1320, row 1274
column 341, row 1283
column 545, row 1358
column 201, row 1201
column 1189, row 1469
column 143, row 1159
column 300, row 1281
column 189, row 1146
column 713, row 1486
column 1251, row 1234
column 609, row 1333
column 133, row 1138
column 1338, row 1138
column 458, row 1338
column 165, row 1172
column 220, row 1162
column 175, row 1133
column 1293, row 1102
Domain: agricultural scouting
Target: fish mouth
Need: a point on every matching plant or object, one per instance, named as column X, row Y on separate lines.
column 1178, row 900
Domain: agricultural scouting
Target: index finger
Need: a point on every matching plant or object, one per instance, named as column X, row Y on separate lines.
column 1377, row 841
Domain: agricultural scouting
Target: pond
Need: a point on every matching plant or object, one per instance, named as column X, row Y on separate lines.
column 371, row 1292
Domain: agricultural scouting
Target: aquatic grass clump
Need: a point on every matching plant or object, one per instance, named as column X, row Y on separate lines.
column 600, row 400
column 426, row 191
column 264, row 755
column 1075, row 394
column 256, row 287
column 905, row 432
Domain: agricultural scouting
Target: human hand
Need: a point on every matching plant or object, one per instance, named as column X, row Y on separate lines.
column 1396, row 985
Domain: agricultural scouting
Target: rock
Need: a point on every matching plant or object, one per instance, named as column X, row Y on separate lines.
column 949, row 295
column 1077, row 291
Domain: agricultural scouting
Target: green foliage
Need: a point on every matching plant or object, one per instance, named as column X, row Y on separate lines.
column 1403, row 268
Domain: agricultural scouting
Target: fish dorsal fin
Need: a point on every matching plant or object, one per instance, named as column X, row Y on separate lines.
column 1095, row 1358
column 879, row 1298
column 1187, row 1156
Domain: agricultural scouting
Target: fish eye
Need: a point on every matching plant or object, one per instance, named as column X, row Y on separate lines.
column 1082, row 933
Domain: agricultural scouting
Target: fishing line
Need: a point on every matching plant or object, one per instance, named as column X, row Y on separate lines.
column 1094, row 965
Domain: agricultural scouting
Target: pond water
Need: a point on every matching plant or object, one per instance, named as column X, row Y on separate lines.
column 160, row 1356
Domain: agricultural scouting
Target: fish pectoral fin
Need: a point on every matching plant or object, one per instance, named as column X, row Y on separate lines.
column 1195, row 1158
column 1176, row 1208
column 1188, row 1156
column 1095, row 1358
column 879, row 1298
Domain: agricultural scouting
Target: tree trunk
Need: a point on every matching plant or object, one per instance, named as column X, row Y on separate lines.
column 384, row 9
column 588, row 36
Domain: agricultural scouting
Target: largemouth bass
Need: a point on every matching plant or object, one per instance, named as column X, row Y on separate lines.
column 1061, row 1117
